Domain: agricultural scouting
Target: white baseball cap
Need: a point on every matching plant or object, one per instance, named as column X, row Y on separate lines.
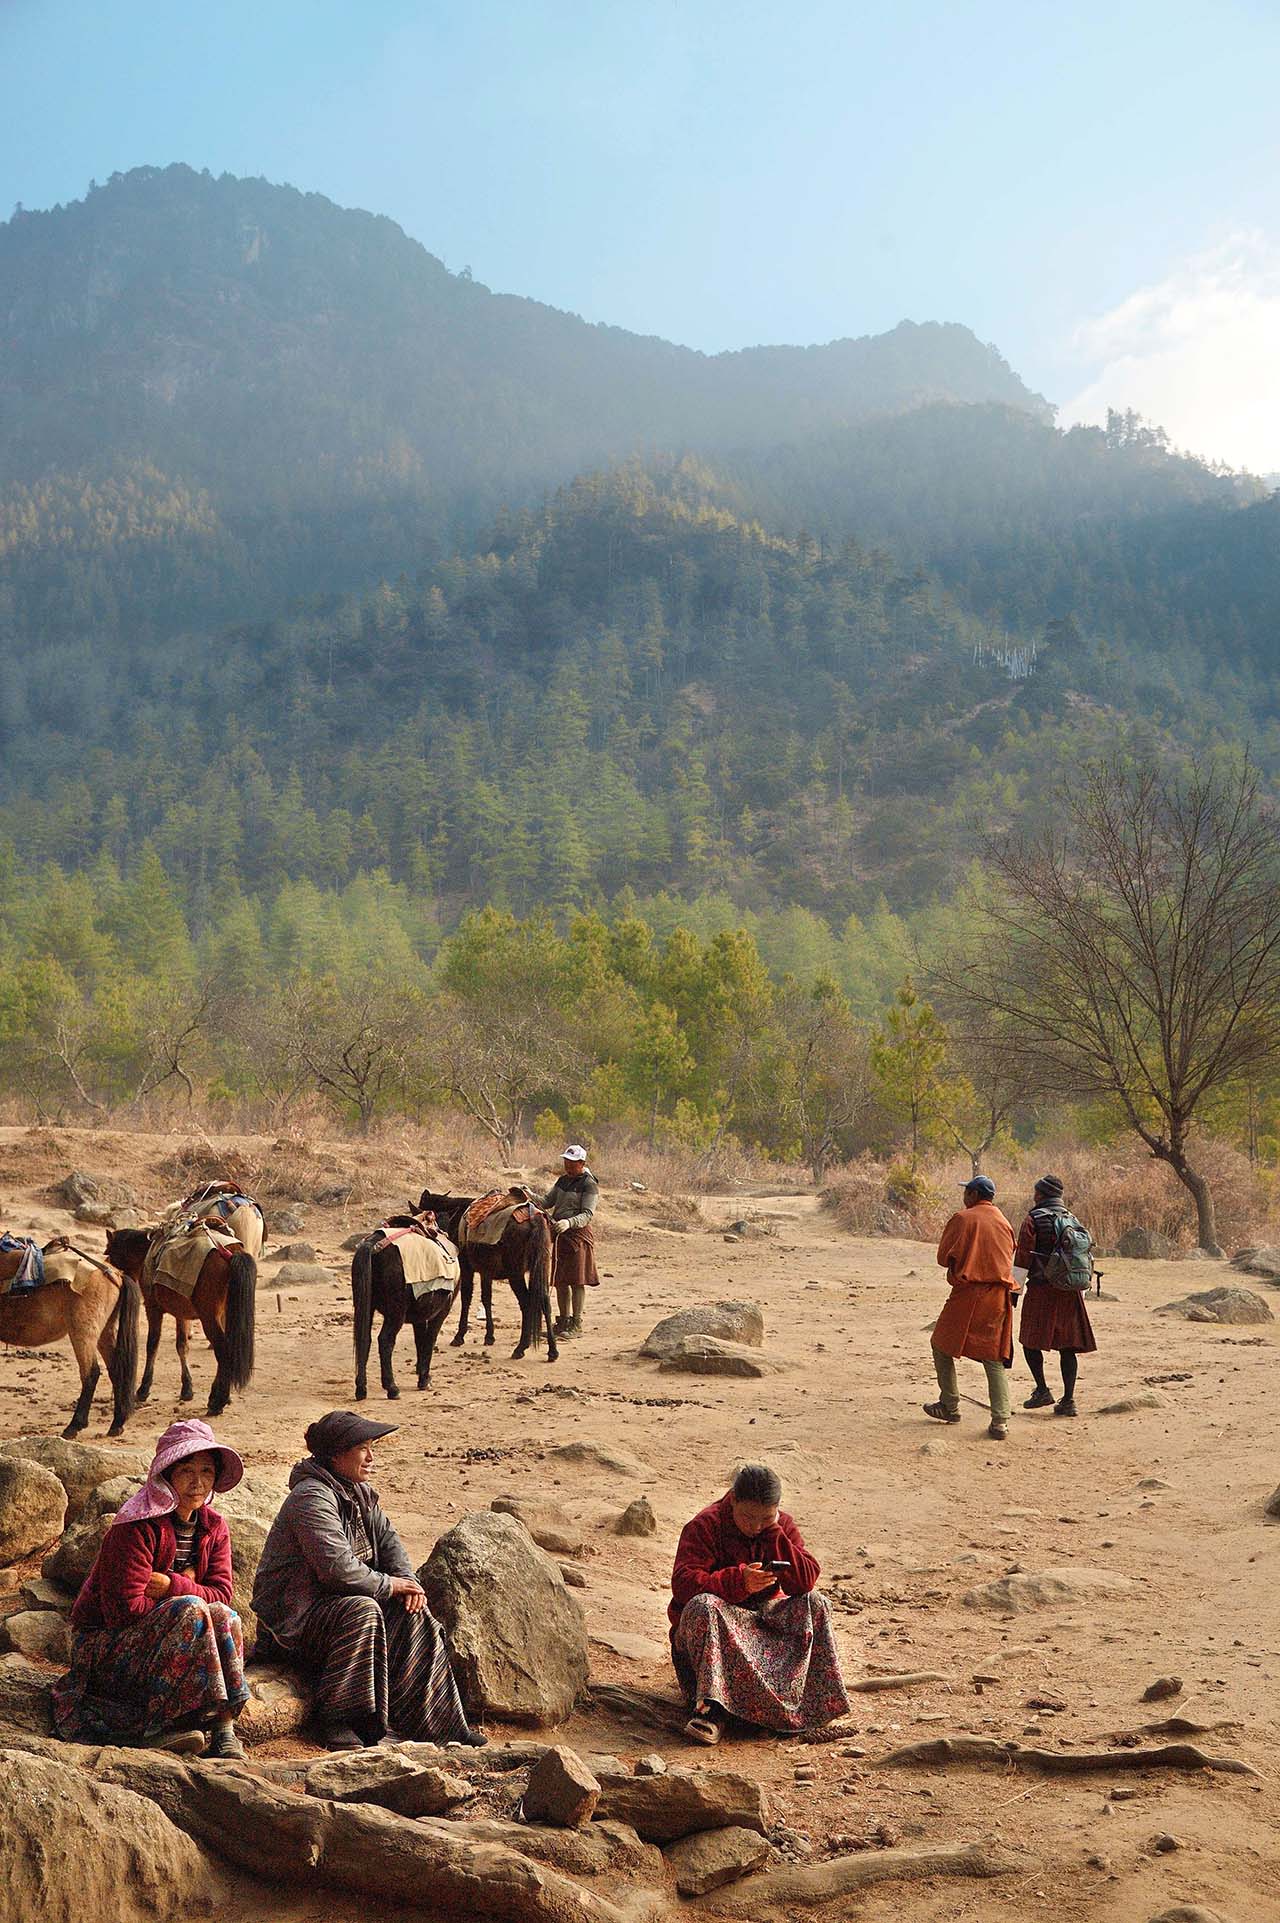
column 574, row 1153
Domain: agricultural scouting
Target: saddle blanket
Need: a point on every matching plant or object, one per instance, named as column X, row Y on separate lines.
column 57, row 1261
column 427, row 1256
column 239, row 1214
column 176, row 1261
column 484, row 1223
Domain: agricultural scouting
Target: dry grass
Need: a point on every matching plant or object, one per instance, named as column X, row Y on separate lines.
column 1110, row 1189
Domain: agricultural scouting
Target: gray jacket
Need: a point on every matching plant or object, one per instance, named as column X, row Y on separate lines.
column 331, row 1538
column 572, row 1199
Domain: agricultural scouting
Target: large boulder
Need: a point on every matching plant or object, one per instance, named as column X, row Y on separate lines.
column 25, row 1700
column 250, row 1509
column 727, row 1321
column 516, row 1636
column 707, row 1355
column 72, row 1848
column 1220, row 1305
column 33, row 1507
column 662, row 1809
column 73, row 1558
column 1145, row 1245
column 81, row 1467
column 1263, row 1262
column 295, row 1275
column 102, row 1192
column 1050, row 1588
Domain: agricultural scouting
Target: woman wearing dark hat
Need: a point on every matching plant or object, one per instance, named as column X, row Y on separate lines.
column 1052, row 1318
column 337, row 1592
column 157, row 1654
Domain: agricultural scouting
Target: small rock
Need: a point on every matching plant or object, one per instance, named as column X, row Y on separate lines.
column 1164, row 1844
column 292, row 1252
column 280, row 1702
column 25, row 1701
column 1190, row 1913
column 592, row 1455
column 1233, row 1305
column 637, row 1519
column 651, row 1765
column 1272, row 1507
column 706, row 1355
column 1024, row 1590
column 381, row 1776
column 561, row 1791
column 1144, row 1245
column 662, row 1809
column 1123, row 1794
column 740, row 1322
column 333, row 1195
column 574, row 1577
column 1096, row 1862
column 351, row 1244
column 107, row 1191
column 1153, row 1482
column 288, row 1221
column 1162, row 1688
column 1129, row 1405
column 711, row 1858
column 295, row 1275
column 39, row 1594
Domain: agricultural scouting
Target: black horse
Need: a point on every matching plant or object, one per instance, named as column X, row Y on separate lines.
column 377, row 1282
column 523, row 1258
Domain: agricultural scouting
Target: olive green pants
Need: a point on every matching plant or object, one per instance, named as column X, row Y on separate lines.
column 997, row 1384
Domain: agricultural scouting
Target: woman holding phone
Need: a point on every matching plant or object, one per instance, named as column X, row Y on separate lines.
column 750, row 1637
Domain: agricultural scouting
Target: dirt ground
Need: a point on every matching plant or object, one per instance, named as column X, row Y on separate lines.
column 904, row 1516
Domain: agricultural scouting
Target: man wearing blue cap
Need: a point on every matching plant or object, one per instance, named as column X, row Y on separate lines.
column 976, row 1250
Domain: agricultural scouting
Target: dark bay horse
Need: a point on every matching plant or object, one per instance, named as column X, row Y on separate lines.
column 98, row 1316
column 523, row 1258
column 377, row 1283
column 223, row 1303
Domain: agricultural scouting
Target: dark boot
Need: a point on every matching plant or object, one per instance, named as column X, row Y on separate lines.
column 574, row 1326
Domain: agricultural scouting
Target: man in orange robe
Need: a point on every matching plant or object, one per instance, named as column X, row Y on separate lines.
column 976, row 1250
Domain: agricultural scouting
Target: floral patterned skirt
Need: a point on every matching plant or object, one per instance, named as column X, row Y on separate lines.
column 178, row 1667
column 776, row 1667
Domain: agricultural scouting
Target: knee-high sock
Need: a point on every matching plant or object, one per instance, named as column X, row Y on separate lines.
column 1035, row 1362
column 1070, row 1363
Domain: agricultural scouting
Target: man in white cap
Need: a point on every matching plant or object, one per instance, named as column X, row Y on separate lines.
column 571, row 1204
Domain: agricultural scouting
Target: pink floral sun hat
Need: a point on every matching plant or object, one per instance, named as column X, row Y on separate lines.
column 180, row 1440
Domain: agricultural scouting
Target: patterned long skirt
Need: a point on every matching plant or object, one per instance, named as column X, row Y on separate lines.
column 379, row 1668
column 178, row 1667
column 775, row 1667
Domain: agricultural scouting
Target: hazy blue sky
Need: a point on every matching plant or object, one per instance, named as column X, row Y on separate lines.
column 1096, row 188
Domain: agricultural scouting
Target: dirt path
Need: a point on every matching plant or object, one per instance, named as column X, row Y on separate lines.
column 905, row 1517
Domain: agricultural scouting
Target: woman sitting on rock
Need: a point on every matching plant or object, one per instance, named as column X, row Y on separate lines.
column 157, row 1654
column 750, row 1638
column 338, row 1594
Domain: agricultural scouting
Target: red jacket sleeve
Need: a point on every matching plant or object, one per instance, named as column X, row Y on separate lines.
column 216, row 1587
column 694, row 1574
column 804, row 1571
column 125, row 1561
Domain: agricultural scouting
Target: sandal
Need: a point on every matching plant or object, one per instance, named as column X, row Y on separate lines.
column 703, row 1729
column 940, row 1412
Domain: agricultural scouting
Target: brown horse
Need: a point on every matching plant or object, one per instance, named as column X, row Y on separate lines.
column 377, row 1282
column 222, row 1302
column 523, row 1258
column 99, row 1317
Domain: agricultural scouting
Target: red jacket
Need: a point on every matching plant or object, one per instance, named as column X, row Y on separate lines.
column 711, row 1552
column 114, row 1592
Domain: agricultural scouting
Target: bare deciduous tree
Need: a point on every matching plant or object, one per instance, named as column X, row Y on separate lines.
column 1136, row 953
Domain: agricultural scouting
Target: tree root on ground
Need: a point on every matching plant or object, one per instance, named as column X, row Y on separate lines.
column 804, row 1883
column 961, row 1751
column 868, row 1685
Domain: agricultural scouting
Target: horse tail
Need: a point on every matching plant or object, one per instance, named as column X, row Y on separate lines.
column 543, row 1257
column 242, row 1295
column 122, row 1370
column 362, row 1300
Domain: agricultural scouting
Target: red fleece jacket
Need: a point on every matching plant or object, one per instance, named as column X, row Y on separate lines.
column 114, row 1592
column 712, row 1551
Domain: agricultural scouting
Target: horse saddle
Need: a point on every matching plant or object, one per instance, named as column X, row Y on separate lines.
column 486, row 1220
column 427, row 1256
column 176, row 1261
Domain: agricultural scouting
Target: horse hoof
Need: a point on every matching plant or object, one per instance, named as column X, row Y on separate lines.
column 70, row 1433
column 553, row 1355
column 517, row 1355
column 362, row 1395
column 457, row 1342
column 489, row 1341
column 393, row 1394
column 116, row 1429
column 143, row 1395
column 189, row 1395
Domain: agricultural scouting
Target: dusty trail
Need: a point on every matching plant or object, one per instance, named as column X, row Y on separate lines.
column 904, row 1516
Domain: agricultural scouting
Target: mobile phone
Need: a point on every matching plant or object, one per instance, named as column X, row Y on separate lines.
column 775, row 1565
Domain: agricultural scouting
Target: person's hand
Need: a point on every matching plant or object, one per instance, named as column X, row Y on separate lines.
column 158, row 1586
column 410, row 1592
column 558, row 1228
column 756, row 1580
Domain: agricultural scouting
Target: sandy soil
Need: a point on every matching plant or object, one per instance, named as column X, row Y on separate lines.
column 905, row 1517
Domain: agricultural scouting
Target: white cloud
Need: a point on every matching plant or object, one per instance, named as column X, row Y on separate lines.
column 1197, row 353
